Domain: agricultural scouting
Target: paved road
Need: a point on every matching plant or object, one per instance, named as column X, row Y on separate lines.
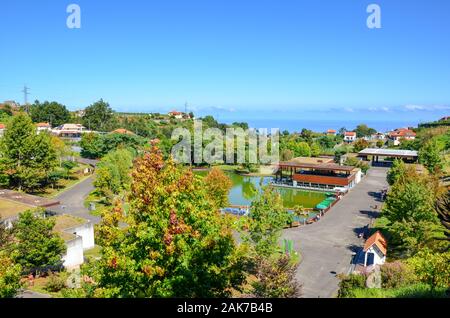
column 72, row 201
column 327, row 246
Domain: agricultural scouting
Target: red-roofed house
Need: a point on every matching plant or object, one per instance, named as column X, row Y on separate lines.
column 402, row 133
column 375, row 250
column 349, row 136
column 331, row 132
column 43, row 127
column 176, row 114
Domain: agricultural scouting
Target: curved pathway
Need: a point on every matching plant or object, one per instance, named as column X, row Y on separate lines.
column 72, row 201
column 327, row 246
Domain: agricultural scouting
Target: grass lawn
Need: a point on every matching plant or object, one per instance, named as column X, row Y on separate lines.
column 64, row 222
column 76, row 176
column 39, row 285
column 9, row 208
column 411, row 291
column 93, row 253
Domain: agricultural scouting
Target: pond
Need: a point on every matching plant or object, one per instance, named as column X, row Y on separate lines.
column 245, row 190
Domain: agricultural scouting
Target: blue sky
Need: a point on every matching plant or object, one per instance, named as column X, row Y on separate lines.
column 233, row 58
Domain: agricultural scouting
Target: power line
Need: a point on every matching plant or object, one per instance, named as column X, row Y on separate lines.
column 25, row 97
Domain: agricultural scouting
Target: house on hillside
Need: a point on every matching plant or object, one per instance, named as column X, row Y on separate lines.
column 176, row 114
column 402, row 133
column 69, row 130
column 349, row 136
column 43, row 127
column 331, row 132
column 2, row 129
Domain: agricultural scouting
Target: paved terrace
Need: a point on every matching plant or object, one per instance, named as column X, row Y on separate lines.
column 327, row 246
column 27, row 199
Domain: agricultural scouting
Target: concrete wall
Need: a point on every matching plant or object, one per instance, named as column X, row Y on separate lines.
column 86, row 232
column 74, row 254
column 75, row 248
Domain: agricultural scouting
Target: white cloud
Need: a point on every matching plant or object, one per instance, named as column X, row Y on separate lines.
column 426, row 107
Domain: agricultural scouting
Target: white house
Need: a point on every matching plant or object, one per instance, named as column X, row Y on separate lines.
column 331, row 132
column 177, row 114
column 2, row 130
column 375, row 250
column 43, row 127
column 402, row 133
column 349, row 136
column 69, row 130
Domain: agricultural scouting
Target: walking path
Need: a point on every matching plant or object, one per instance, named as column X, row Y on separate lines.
column 72, row 201
column 326, row 246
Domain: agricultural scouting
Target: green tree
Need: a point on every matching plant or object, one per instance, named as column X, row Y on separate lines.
column 218, row 185
column 176, row 244
column 26, row 159
column 10, row 275
column 35, row 244
column 98, row 116
column 430, row 156
column 276, row 279
column 397, row 171
column 113, row 173
column 49, row 112
column 315, row 150
column 363, row 130
column 360, row 144
column 267, row 219
column 410, row 210
column 302, row 149
column 432, row 268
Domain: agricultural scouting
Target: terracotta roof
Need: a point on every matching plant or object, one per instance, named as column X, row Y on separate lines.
column 377, row 239
column 331, row 131
column 350, row 133
column 43, row 124
column 174, row 112
column 402, row 132
column 123, row 131
column 2, row 126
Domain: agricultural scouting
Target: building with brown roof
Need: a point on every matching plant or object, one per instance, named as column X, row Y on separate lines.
column 349, row 136
column 375, row 250
column 402, row 133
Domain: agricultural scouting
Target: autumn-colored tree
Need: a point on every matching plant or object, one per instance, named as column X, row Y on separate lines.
column 218, row 185
column 175, row 244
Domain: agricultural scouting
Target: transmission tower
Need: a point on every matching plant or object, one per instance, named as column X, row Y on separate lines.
column 25, row 97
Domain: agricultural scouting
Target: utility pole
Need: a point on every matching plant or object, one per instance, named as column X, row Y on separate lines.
column 185, row 107
column 25, row 97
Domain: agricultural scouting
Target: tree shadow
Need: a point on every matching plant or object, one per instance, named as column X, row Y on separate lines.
column 370, row 213
column 363, row 230
column 376, row 195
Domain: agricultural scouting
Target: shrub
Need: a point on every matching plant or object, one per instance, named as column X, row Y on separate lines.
column 55, row 283
column 349, row 282
column 396, row 274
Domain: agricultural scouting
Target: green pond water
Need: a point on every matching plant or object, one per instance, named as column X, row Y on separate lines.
column 245, row 189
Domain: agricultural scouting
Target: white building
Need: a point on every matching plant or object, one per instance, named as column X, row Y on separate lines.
column 402, row 133
column 2, row 130
column 349, row 136
column 375, row 250
column 83, row 240
column 69, row 130
column 43, row 127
